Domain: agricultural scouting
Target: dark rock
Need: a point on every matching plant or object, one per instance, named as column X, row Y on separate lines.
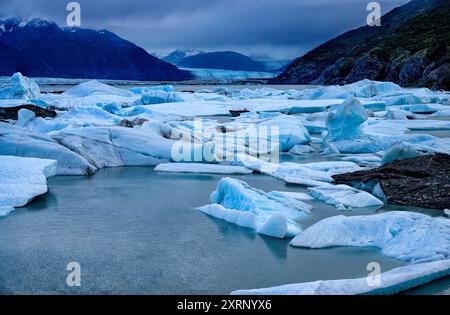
column 412, row 70
column 237, row 113
column 422, row 181
column 440, row 77
column 12, row 112
column 332, row 74
column 366, row 67
column 132, row 123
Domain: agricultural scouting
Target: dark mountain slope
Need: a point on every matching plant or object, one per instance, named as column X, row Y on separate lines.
column 41, row 48
column 227, row 60
column 410, row 48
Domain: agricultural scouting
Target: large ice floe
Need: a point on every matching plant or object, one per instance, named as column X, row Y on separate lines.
column 22, row 179
column 406, row 236
column 390, row 282
column 273, row 214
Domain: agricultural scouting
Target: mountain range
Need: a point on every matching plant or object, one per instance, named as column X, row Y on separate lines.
column 411, row 48
column 39, row 48
column 225, row 60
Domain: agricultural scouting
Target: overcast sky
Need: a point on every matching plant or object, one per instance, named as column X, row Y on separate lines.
column 281, row 28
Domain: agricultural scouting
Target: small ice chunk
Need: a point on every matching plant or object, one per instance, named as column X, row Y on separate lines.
column 202, row 168
column 24, row 116
column 301, row 149
column 405, row 150
column 344, row 197
column 4, row 211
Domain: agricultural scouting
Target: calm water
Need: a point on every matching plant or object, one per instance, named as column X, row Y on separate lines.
column 137, row 231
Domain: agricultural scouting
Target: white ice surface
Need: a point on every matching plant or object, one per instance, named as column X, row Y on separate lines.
column 201, row 168
column 406, row 236
column 345, row 197
column 391, row 282
column 22, row 179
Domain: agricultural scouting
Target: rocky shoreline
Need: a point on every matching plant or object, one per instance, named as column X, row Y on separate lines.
column 423, row 181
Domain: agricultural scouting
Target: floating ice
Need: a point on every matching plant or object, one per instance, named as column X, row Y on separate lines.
column 4, row 211
column 346, row 122
column 22, row 180
column 301, row 149
column 407, row 236
column 391, row 282
column 95, row 87
column 290, row 131
column 19, row 87
column 271, row 214
column 116, row 146
column 405, row 150
column 345, row 197
column 22, row 142
column 309, row 174
column 201, row 168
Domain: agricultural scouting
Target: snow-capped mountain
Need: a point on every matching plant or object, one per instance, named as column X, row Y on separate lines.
column 227, row 60
column 177, row 55
column 42, row 48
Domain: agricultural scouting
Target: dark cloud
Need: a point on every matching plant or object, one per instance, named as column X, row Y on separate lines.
column 284, row 28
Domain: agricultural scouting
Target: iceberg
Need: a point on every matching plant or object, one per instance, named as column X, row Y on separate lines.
column 290, row 131
column 272, row 214
column 344, row 197
column 20, row 87
column 158, row 97
column 406, row 236
column 15, row 141
column 346, row 122
column 22, row 180
column 116, row 146
column 391, row 282
column 97, row 88
column 308, row 174
column 201, row 168
column 405, row 150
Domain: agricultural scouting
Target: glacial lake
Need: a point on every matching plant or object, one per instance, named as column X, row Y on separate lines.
column 136, row 231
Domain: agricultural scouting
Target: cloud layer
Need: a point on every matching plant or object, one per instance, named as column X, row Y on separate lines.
column 284, row 28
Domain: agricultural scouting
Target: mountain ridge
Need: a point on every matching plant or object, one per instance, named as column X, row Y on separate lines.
column 42, row 48
column 376, row 52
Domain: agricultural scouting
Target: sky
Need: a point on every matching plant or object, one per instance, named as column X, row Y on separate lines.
column 283, row 29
